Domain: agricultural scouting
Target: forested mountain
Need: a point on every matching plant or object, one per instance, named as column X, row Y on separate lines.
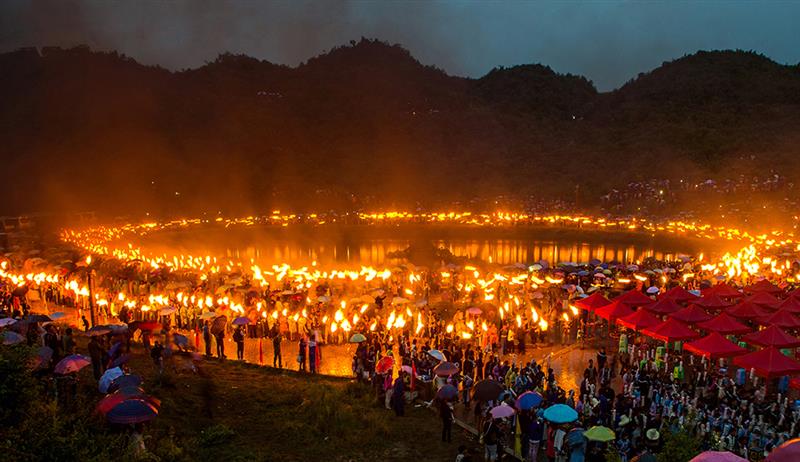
column 368, row 125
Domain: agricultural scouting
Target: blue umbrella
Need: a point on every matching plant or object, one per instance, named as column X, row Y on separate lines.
column 447, row 392
column 114, row 348
column 560, row 413
column 122, row 359
column 12, row 338
column 180, row 340
column 529, row 400
column 131, row 411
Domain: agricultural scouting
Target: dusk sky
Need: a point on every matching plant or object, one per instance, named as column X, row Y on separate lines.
column 609, row 42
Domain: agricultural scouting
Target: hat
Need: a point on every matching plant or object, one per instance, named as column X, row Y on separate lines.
column 652, row 434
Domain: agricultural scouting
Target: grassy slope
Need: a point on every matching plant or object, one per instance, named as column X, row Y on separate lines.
column 284, row 416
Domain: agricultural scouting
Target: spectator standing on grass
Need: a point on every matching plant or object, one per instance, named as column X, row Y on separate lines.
column 220, row 339
column 238, row 338
column 276, row 350
column 446, row 413
column 207, row 338
column 301, row 353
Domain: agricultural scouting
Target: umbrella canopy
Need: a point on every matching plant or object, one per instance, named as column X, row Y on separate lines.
column 384, row 365
column 208, row 315
column 592, row 302
column 768, row 362
column 764, row 299
column 787, row 452
column 127, row 381
column 131, row 411
column 641, row 319
column 120, row 360
column 725, row 325
column 763, row 286
column 713, row 302
column 445, row 369
column 218, row 325
column 714, row 346
column 772, row 336
column 671, row 331
column 723, row 290
column 447, row 392
column 437, row 355
column 748, row 310
column 57, row 315
column 357, row 338
column 241, row 321
column 108, row 378
column 167, row 311
column 43, row 357
column 634, row 298
column 791, row 304
column 528, row 400
column 72, row 363
column 110, row 401
column 717, row 456
column 180, row 340
column 691, row 314
column 679, row 294
column 502, row 411
column 782, row 319
column 7, row 322
column 560, row 413
column 599, row 433
column 614, row 310
column 664, row 306
column 487, row 390
column 12, row 338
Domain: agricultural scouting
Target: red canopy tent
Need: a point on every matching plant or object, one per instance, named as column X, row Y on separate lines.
column 592, row 302
column 725, row 325
column 791, row 304
column 641, row 319
column 714, row 346
column 772, row 336
column 664, row 306
column 764, row 299
column 613, row 311
column 712, row 301
column 768, row 362
column 679, row 294
column 782, row 319
column 748, row 310
column 763, row 286
column 692, row 314
column 722, row 290
column 671, row 331
column 634, row 298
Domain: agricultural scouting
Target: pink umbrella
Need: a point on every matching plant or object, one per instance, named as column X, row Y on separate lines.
column 787, row 452
column 718, row 456
column 474, row 310
column 501, row 411
column 72, row 363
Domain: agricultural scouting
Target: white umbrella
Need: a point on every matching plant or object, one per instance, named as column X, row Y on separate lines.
column 167, row 311
column 108, row 378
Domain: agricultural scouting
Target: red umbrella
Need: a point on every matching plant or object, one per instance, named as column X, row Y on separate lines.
column 712, row 301
column 787, row 452
column 634, row 298
column 592, row 302
column 768, row 362
column 714, row 346
column 671, row 331
column 725, row 325
column 641, row 319
column 791, row 304
column 691, row 314
column 763, row 286
column 679, row 294
column 613, row 311
column 772, row 336
column 384, row 365
column 782, row 319
column 110, row 401
column 722, row 290
column 764, row 299
column 664, row 306
column 747, row 310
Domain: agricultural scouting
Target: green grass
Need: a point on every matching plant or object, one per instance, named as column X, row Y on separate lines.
column 236, row 411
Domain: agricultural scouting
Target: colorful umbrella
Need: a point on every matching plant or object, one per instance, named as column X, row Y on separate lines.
column 357, row 338
column 131, row 411
column 437, row 355
column 384, row 365
column 72, row 363
column 502, row 411
column 7, row 322
column 108, row 378
column 12, row 338
column 787, row 452
column 445, row 369
column 599, row 433
column 241, row 321
column 447, row 392
column 717, row 456
column 167, row 311
column 528, row 400
column 560, row 413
